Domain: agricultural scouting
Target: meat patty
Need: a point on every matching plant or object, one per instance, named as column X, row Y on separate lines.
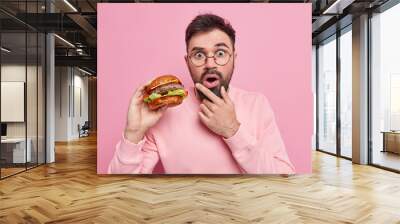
column 165, row 88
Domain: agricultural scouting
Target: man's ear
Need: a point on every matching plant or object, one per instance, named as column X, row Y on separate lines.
column 186, row 60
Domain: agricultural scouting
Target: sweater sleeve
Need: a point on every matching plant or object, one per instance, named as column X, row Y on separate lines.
column 131, row 158
column 264, row 152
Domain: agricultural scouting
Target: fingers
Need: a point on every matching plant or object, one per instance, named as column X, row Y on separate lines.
column 205, row 110
column 159, row 110
column 137, row 97
column 225, row 95
column 212, row 107
column 162, row 109
column 139, row 91
column 203, row 117
column 215, row 99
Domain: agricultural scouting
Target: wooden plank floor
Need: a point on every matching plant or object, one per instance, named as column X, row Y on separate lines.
column 70, row 191
column 10, row 171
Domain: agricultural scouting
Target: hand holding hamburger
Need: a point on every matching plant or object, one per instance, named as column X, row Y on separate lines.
column 149, row 103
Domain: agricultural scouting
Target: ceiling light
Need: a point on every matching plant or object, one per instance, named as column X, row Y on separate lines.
column 70, row 5
column 331, row 7
column 84, row 71
column 64, row 40
column 5, row 50
column 337, row 7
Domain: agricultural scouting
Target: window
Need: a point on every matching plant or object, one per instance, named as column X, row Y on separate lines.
column 327, row 95
column 346, row 93
column 385, row 88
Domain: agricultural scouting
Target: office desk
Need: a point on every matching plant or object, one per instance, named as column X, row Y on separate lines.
column 391, row 141
column 15, row 148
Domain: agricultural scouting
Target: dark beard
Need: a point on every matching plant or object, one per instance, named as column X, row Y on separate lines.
column 216, row 90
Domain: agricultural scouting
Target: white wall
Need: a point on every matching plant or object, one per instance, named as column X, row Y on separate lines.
column 79, row 117
column 71, row 93
column 61, row 103
column 16, row 73
column 314, row 88
column 12, row 101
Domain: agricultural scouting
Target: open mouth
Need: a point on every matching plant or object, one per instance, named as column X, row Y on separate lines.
column 211, row 80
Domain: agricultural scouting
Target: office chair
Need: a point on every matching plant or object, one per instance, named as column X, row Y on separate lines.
column 84, row 130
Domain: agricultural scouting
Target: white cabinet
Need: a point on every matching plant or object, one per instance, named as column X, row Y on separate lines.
column 18, row 149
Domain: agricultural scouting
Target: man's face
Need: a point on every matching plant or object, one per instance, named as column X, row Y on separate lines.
column 213, row 73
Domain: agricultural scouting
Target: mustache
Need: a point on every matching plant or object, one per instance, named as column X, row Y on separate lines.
column 211, row 71
column 216, row 90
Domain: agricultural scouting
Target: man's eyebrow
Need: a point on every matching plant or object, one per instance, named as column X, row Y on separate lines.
column 221, row 45
column 197, row 49
column 216, row 45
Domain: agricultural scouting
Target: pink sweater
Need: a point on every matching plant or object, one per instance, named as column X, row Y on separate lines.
column 185, row 146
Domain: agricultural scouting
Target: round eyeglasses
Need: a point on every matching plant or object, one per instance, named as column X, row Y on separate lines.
column 221, row 57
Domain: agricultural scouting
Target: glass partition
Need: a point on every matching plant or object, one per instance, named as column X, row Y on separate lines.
column 13, row 104
column 22, row 77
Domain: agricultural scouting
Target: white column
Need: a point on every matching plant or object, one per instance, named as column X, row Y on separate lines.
column 50, row 91
column 360, row 90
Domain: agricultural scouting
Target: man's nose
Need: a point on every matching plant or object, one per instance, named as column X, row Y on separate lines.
column 210, row 63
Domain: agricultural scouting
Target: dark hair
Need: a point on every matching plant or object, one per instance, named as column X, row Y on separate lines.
column 207, row 22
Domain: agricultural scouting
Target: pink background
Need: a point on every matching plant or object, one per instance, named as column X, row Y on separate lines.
column 139, row 41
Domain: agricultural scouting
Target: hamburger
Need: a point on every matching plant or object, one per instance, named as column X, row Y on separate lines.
column 164, row 90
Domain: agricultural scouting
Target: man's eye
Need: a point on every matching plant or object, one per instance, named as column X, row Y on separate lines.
column 220, row 53
column 199, row 55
